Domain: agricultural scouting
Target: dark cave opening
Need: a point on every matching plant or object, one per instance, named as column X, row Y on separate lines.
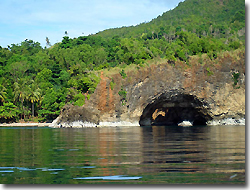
column 173, row 110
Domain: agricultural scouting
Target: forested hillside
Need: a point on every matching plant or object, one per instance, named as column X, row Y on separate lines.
column 217, row 18
column 36, row 82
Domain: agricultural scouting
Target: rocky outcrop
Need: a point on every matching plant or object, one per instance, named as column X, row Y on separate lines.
column 185, row 124
column 75, row 116
column 200, row 92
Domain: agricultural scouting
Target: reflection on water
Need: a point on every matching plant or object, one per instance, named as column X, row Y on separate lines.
column 116, row 177
column 157, row 154
column 197, row 147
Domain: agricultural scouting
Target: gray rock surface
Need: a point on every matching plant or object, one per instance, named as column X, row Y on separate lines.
column 167, row 94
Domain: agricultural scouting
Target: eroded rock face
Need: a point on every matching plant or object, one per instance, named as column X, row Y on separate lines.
column 75, row 116
column 173, row 108
column 166, row 94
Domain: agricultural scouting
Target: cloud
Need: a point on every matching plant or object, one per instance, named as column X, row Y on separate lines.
column 35, row 18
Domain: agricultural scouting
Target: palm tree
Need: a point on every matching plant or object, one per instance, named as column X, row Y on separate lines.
column 2, row 93
column 34, row 95
column 20, row 92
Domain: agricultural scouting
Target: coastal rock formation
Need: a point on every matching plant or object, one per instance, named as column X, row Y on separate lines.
column 75, row 116
column 185, row 124
column 169, row 93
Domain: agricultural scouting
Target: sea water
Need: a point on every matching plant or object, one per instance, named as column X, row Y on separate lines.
column 125, row 155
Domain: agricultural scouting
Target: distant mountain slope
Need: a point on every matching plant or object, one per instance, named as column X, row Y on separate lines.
column 198, row 16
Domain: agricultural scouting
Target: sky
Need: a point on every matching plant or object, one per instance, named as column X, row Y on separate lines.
column 38, row 19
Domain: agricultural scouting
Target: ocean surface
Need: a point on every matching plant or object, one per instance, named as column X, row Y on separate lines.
column 123, row 155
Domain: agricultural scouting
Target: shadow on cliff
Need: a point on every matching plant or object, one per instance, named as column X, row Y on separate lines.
column 172, row 109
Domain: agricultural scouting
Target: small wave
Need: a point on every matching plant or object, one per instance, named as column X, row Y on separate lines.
column 54, row 173
column 83, row 124
column 25, row 169
column 53, row 169
column 119, row 123
column 227, row 121
column 10, row 169
column 6, row 168
column 85, row 167
column 74, row 124
column 116, row 177
column 6, row 171
column 73, row 149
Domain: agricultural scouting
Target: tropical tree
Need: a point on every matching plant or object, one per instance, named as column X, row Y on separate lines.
column 47, row 42
column 8, row 111
column 53, row 100
column 20, row 93
column 34, row 95
column 2, row 94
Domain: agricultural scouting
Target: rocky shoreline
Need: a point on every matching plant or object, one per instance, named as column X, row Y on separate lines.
column 227, row 121
column 84, row 124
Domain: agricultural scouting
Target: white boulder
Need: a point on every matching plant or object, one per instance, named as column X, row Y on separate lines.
column 185, row 124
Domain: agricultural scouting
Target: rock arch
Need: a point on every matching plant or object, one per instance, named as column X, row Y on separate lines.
column 173, row 108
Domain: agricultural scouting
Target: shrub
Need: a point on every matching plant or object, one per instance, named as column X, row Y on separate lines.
column 112, row 84
column 123, row 74
column 123, row 95
column 209, row 72
column 79, row 99
column 235, row 77
column 8, row 112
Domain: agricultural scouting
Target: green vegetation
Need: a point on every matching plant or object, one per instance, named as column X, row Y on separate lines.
column 112, row 84
column 235, row 79
column 123, row 95
column 209, row 72
column 123, row 74
column 38, row 82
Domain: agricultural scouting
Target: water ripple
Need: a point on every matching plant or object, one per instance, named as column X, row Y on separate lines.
column 7, row 171
column 115, row 177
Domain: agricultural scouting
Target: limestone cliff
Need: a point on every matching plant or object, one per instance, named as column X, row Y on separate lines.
column 171, row 92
